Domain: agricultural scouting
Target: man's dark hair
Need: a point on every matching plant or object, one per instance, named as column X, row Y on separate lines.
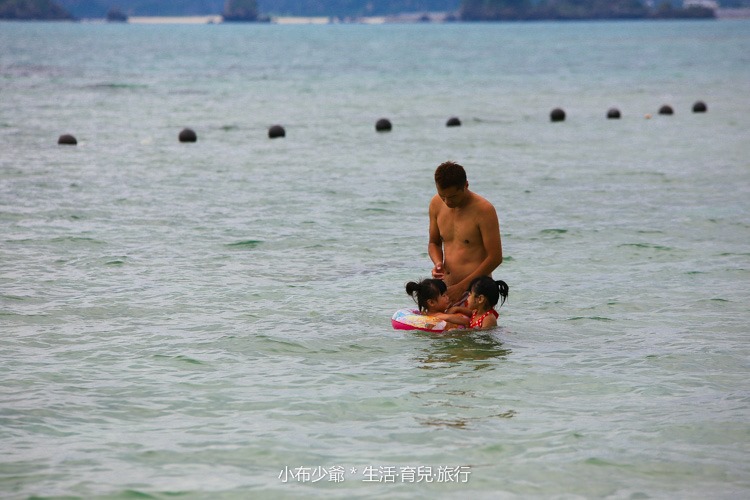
column 450, row 174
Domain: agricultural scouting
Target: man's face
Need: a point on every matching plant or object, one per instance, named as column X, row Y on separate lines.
column 452, row 196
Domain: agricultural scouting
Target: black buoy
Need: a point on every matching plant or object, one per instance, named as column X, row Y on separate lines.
column 613, row 113
column 699, row 107
column 188, row 135
column 67, row 140
column 453, row 122
column 383, row 125
column 666, row 110
column 276, row 131
column 557, row 115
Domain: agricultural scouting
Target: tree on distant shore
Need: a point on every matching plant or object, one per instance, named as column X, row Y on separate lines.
column 32, row 10
column 116, row 15
column 592, row 9
column 496, row 10
column 241, row 10
column 526, row 10
column 666, row 10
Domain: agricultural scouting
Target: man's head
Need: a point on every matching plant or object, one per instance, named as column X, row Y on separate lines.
column 451, row 183
column 450, row 174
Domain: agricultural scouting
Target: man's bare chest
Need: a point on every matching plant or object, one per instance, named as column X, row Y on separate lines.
column 459, row 229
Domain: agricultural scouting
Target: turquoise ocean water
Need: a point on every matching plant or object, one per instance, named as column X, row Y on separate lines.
column 212, row 320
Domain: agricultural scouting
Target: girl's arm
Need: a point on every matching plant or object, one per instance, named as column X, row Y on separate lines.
column 456, row 319
column 460, row 310
column 489, row 322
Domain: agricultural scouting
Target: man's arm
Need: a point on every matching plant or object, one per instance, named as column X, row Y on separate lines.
column 489, row 228
column 435, row 245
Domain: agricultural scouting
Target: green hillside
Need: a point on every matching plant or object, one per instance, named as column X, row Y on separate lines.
column 469, row 10
column 32, row 9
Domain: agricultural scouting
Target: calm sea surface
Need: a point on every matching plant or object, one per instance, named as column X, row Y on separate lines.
column 212, row 320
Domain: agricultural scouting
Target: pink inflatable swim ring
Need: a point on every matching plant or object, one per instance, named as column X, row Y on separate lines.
column 412, row 319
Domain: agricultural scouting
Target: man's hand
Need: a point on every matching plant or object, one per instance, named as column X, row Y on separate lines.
column 437, row 272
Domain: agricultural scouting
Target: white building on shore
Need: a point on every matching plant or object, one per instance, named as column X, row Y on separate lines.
column 708, row 4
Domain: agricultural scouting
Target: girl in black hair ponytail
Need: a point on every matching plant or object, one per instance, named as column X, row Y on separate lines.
column 430, row 296
column 484, row 294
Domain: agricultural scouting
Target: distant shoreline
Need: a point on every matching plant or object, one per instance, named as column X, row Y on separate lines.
column 433, row 17
column 733, row 13
column 437, row 17
column 217, row 19
column 214, row 19
column 403, row 18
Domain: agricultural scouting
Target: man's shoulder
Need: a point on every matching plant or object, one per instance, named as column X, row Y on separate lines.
column 481, row 203
column 436, row 203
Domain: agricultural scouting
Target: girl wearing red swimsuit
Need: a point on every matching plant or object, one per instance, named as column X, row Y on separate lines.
column 484, row 294
column 478, row 321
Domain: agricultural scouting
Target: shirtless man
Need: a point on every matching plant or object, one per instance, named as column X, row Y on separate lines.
column 464, row 232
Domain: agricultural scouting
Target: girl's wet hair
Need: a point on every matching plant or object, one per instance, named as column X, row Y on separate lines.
column 493, row 290
column 427, row 289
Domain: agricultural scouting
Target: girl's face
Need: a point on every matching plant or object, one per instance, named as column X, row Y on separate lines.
column 473, row 302
column 440, row 304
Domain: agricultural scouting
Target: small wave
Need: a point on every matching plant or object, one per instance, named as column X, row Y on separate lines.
column 652, row 246
column 477, row 119
column 553, row 233
column 245, row 244
column 117, row 86
column 637, row 173
column 76, row 239
column 462, row 423
column 593, row 318
column 116, row 260
column 456, row 423
column 277, row 345
column 599, row 461
column 379, row 210
column 11, row 297
column 180, row 357
column 126, row 494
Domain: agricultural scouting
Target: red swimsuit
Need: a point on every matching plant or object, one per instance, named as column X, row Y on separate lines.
column 477, row 322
